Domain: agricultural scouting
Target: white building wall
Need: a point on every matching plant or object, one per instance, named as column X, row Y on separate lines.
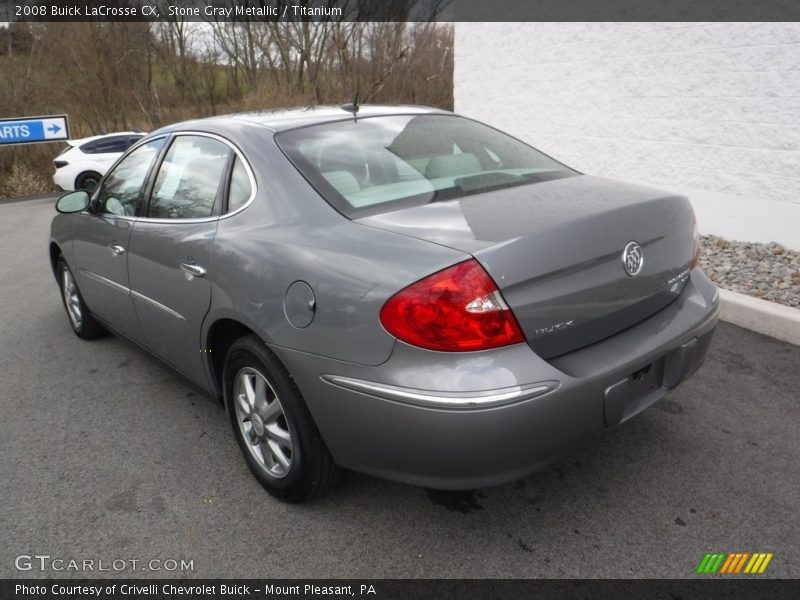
column 708, row 109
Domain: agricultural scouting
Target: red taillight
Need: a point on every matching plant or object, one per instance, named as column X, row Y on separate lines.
column 457, row 309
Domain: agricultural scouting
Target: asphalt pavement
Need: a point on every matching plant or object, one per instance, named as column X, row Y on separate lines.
column 106, row 455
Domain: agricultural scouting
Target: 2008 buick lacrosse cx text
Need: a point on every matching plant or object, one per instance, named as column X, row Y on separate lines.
column 396, row 290
column 96, row 11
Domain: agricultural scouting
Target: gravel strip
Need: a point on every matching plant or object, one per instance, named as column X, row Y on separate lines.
column 767, row 271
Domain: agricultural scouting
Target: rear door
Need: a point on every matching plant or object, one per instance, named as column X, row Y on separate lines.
column 102, row 236
column 170, row 258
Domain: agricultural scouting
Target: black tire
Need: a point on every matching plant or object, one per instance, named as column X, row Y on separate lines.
column 312, row 472
column 85, row 326
column 87, row 181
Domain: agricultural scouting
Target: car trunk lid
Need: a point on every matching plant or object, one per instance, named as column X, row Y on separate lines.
column 555, row 251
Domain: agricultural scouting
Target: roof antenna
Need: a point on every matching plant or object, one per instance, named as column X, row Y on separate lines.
column 352, row 108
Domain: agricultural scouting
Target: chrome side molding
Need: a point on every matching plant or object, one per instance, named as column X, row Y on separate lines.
column 435, row 399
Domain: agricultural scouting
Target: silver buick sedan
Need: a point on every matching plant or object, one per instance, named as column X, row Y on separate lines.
column 400, row 291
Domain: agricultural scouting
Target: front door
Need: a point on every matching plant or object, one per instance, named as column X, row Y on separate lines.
column 102, row 235
column 170, row 254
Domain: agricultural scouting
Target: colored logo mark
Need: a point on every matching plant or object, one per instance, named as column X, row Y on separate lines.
column 733, row 563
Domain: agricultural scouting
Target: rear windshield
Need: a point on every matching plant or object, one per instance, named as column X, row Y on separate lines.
column 380, row 164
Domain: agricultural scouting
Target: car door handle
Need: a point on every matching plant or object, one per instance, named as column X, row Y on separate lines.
column 116, row 249
column 191, row 269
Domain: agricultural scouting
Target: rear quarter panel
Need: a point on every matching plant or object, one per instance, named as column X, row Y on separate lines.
column 289, row 233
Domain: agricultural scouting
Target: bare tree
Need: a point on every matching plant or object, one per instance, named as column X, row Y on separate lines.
column 113, row 76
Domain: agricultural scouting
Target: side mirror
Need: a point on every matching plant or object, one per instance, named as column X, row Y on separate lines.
column 73, row 202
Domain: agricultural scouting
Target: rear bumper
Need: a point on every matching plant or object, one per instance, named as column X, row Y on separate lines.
column 504, row 413
column 63, row 179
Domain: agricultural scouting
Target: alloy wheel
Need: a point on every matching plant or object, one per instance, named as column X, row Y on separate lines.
column 263, row 423
column 71, row 298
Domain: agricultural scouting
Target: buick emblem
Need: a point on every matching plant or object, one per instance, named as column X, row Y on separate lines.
column 632, row 259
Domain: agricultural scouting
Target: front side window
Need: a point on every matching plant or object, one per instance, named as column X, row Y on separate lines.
column 188, row 180
column 121, row 193
column 382, row 163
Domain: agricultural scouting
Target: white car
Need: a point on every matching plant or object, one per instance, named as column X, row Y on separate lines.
column 82, row 164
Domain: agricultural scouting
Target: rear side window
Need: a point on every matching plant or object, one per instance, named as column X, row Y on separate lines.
column 384, row 163
column 107, row 145
column 188, row 180
column 132, row 140
column 241, row 189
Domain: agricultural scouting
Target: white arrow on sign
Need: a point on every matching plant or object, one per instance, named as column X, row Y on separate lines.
column 55, row 128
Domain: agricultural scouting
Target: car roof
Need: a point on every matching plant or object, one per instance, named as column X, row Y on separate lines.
column 91, row 138
column 283, row 119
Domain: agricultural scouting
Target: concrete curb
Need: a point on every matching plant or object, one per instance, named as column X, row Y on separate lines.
column 772, row 319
